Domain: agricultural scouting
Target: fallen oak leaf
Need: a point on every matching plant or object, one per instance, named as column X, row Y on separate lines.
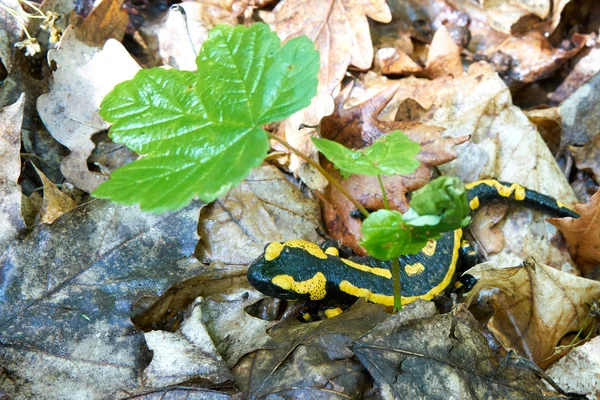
column 583, row 234
column 534, row 305
column 339, row 29
column 358, row 127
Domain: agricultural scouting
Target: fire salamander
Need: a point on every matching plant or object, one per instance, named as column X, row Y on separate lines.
column 298, row 269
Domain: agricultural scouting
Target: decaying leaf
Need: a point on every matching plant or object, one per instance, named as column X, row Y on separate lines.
column 583, row 234
column 358, row 127
column 55, row 202
column 579, row 371
column 70, row 110
column 586, row 67
column 186, row 354
column 581, row 113
column 440, row 356
column 107, row 20
column 588, row 156
column 66, row 292
column 266, row 207
column 339, row 29
column 534, row 305
column 12, row 224
column 310, row 359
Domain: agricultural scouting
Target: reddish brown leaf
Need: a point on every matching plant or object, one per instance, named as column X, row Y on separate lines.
column 358, row 127
column 107, row 21
column 583, row 234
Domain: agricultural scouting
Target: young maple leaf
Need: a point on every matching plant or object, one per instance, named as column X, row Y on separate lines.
column 358, row 127
column 583, row 234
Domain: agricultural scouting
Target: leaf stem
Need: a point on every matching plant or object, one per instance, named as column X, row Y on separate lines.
column 326, row 174
column 385, row 200
column 397, row 286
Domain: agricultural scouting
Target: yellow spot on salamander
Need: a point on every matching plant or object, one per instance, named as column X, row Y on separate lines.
column 503, row 190
column 314, row 286
column 332, row 312
column 309, row 247
column 332, row 251
column 273, row 251
column 429, row 249
column 474, row 203
column 372, row 270
column 352, row 290
column 563, row 205
column 414, row 269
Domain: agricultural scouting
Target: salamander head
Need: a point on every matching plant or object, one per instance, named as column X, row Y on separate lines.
column 289, row 271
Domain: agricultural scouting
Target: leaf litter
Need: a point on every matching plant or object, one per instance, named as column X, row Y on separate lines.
column 67, row 303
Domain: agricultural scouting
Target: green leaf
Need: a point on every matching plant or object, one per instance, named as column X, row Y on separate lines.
column 392, row 154
column 438, row 207
column 385, row 235
column 201, row 132
column 443, row 199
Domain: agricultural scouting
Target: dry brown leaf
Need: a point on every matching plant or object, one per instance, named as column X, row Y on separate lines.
column 532, row 57
column 55, row 202
column 358, row 127
column 265, row 207
column 548, row 123
column 70, row 111
column 107, row 20
column 444, row 56
column 483, row 226
column 320, row 106
column 579, row 371
column 586, row 67
column 588, row 156
column 534, row 305
column 390, row 60
column 339, row 29
column 504, row 145
column 583, row 234
column 12, row 223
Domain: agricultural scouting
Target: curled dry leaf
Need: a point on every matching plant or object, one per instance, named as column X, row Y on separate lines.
column 358, row 127
column 55, row 202
column 70, row 110
column 186, row 354
column 107, row 20
column 583, row 234
column 443, row 57
column 339, row 29
column 579, row 371
column 418, row 354
column 534, row 305
column 11, row 118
